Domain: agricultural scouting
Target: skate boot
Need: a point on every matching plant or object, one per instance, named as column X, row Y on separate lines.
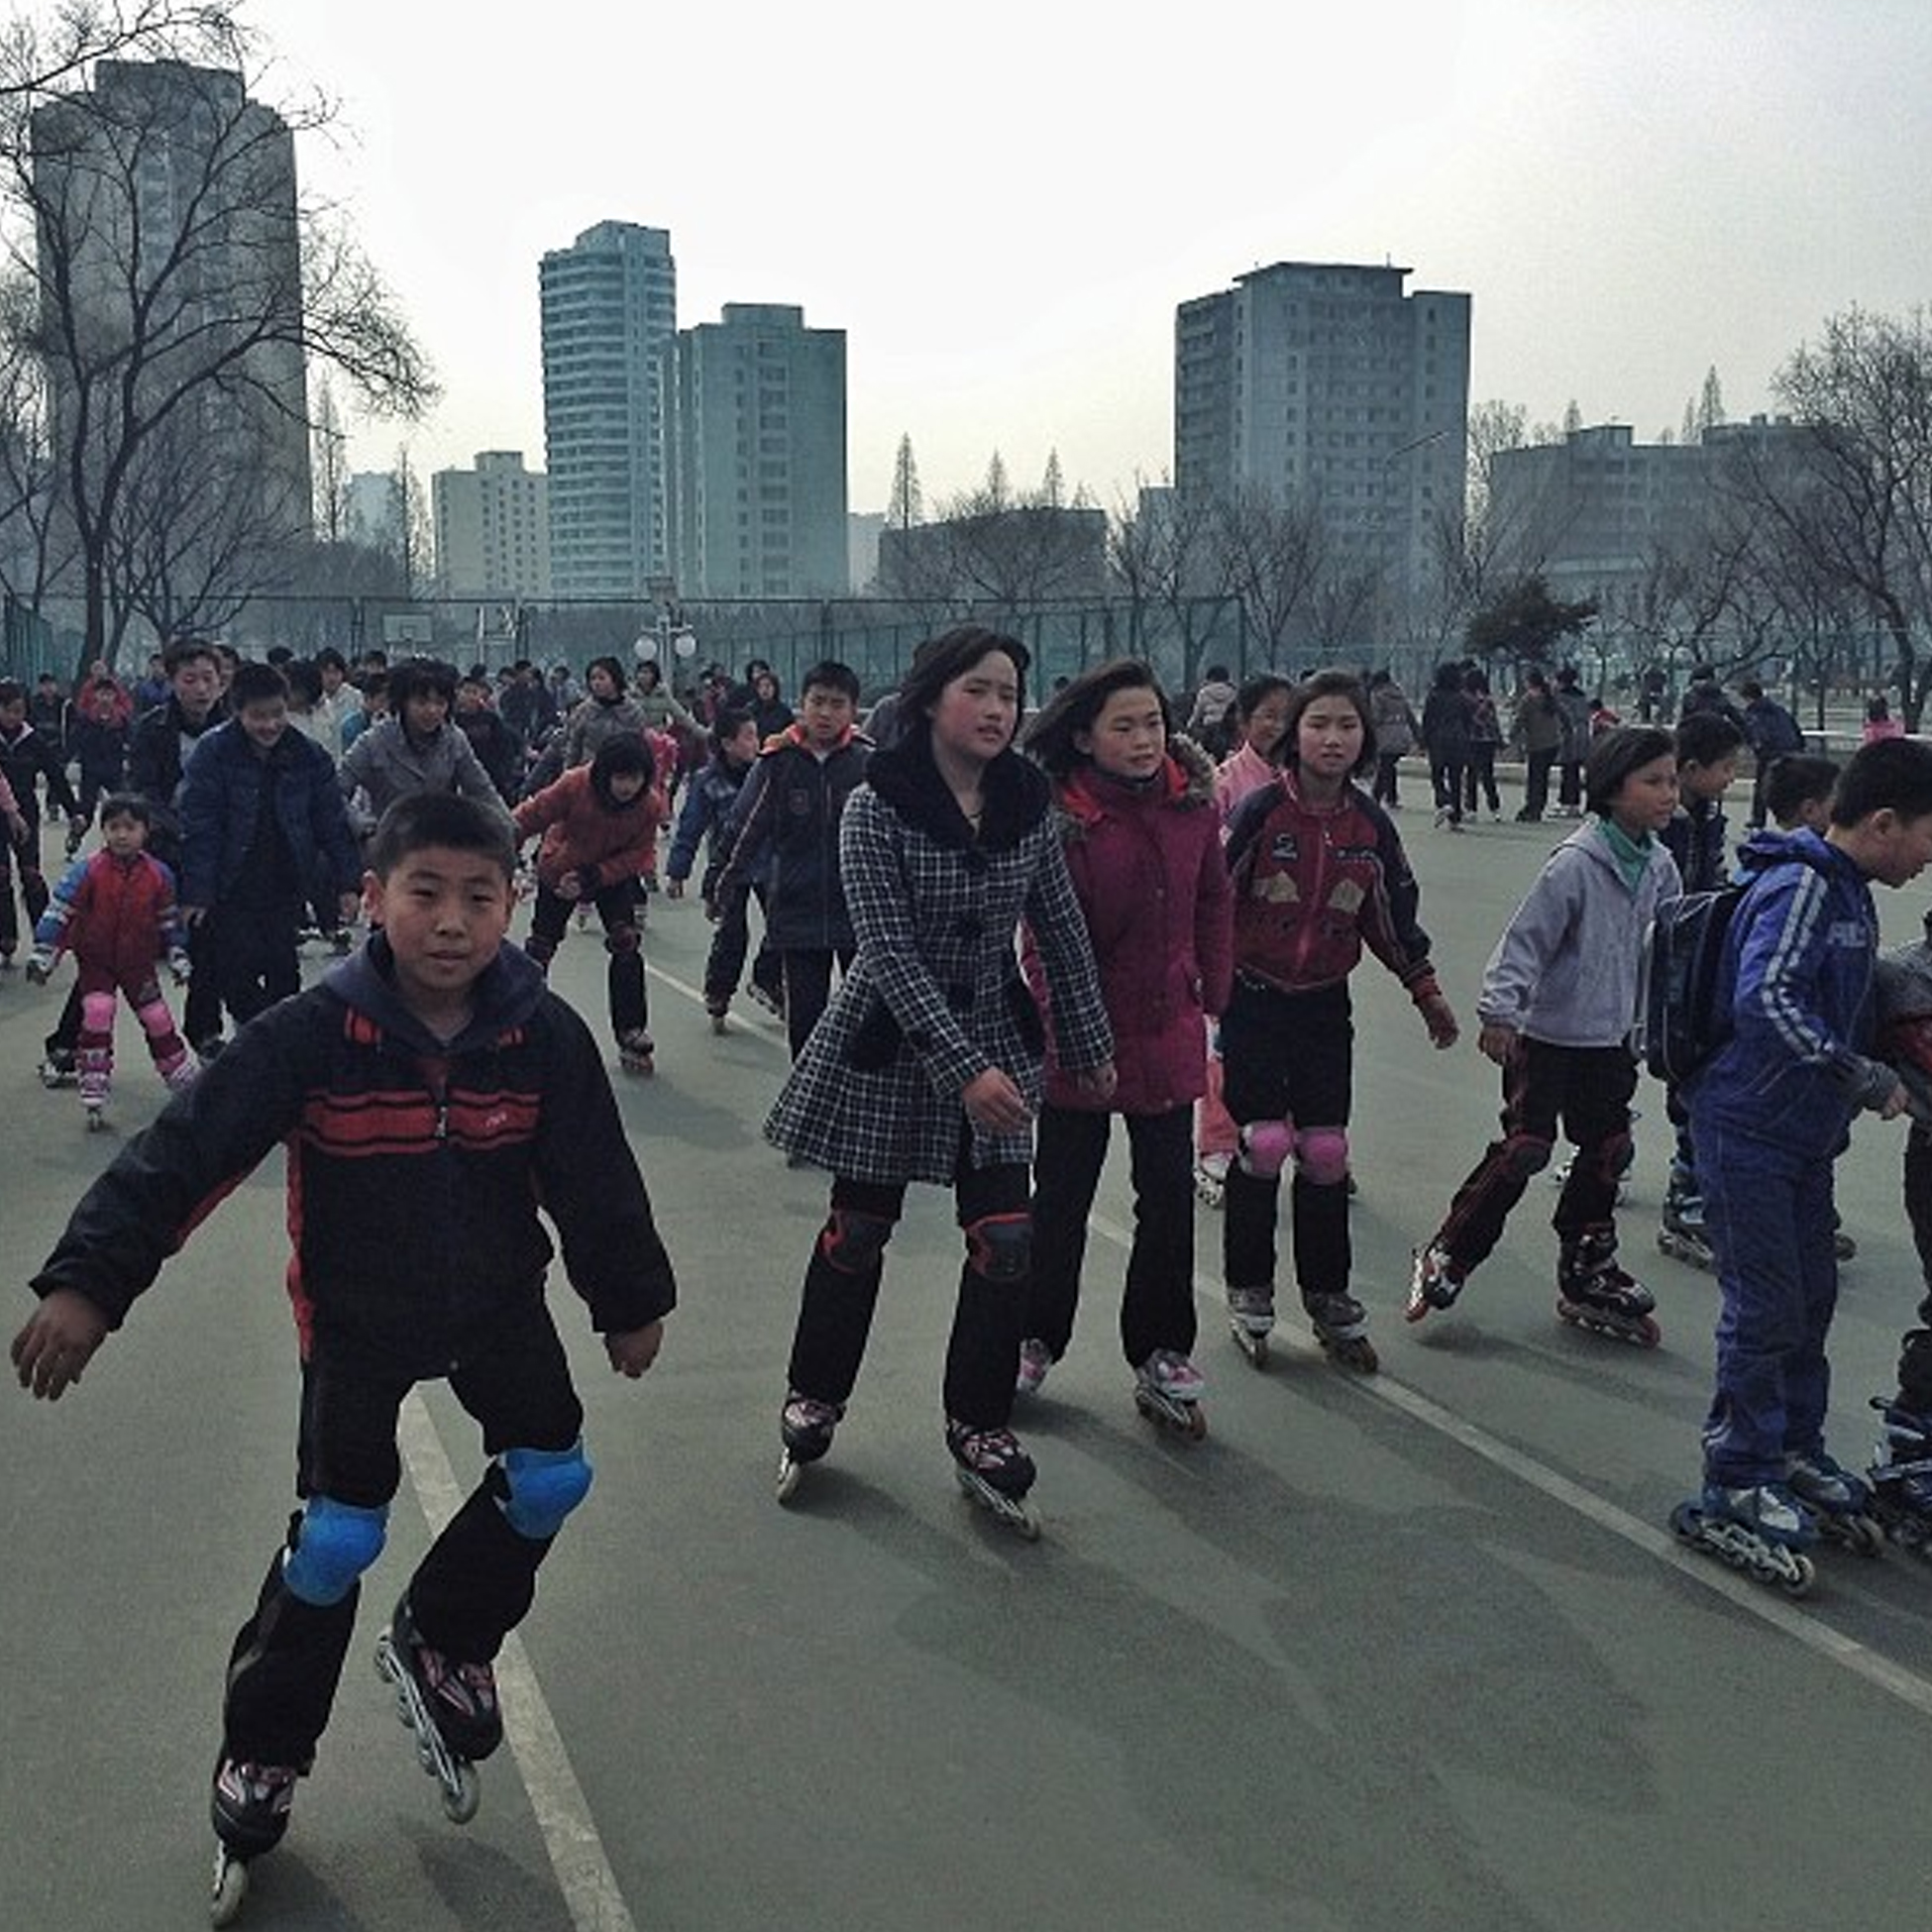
column 1250, row 1315
column 1433, row 1283
column 1035, row 1358
column 715, row 1008
column 450, row 1706
column 1900, row 1476
column 1341, row 1326
column 635, row 1054
column 1839, row 1502
column 1210, row 1178
column 1167, row 1390
column 772, row 1003
column 180, row 1074
column 995, row 1472
column 806, row 1427
column 1593, row 1292
column 1761, row 1529
column 1683, row 1234
column 61, row 1068
column 1843, row 1246
column 250, row 1809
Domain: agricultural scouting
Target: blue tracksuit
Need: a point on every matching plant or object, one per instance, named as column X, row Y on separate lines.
column 1769, row 1115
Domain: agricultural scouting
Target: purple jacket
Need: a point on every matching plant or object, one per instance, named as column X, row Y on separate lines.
column 1150, row 879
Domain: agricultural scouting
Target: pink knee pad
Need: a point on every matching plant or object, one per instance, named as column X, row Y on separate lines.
column 98, row 1013
column 1266, row 1146
column 156, row 1019
column 1323, row 1156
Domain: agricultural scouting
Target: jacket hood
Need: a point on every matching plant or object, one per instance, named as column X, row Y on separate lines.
column 1015, row 790
column 1764, row 849
column 1186, row 778
column 506, row 995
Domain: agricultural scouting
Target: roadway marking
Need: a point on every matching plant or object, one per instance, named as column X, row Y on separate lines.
column 570, row 1834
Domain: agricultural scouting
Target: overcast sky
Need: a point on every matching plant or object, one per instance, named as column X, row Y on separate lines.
column 1003, row 203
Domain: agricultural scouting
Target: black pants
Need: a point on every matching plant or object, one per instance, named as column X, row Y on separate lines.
column 1158, row 1307
column 1537, row 767
column 1586, row 1090
column 1480, row 782
column 808, row 990
column 33, row 889
column 1569, row 784
column 1387, row 764
column 725, row 965
column 1287, row 1056
column 623, row 940
column 1445, row 778
column 835, row 1308
column 256, row 958
column 475, row 1583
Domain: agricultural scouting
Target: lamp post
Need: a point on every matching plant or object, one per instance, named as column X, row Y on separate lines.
column 666, row 636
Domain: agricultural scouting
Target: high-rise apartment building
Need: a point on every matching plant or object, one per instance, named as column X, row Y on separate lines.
column 492, row 529
column 1325, row 385
column 609, row 317
column 760, row 456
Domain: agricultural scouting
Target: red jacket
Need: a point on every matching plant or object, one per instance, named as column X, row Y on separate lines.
column 579, row 829
column 1148, row 873
column 116, row 915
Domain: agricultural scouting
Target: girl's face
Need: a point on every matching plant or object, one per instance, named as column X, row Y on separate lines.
column 1261, row 729
column 124, row 835
column 975, row 713
column 1328, row 738
column 625, row 785
column 602, row 683
column 1129, row 738
column 1644, row 801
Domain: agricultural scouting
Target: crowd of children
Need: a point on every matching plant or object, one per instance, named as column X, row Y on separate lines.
column 986, row 945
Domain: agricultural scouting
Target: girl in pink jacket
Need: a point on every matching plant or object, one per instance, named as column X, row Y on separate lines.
column 1135, row 809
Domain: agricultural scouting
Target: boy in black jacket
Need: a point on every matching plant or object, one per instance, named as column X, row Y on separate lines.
column 434, row 1069
column 25, row 759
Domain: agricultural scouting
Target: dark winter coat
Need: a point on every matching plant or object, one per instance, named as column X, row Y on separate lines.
column 1147, row 870
column 115, row 914
column 1694, row 837
column 101, row 748
column 416, row 1170
column 934, row 997
column 220, row 800
column 1446, row 726
column 26, row 758
column 155, row 768
column 709, row 800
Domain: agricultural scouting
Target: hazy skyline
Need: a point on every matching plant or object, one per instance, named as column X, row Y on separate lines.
column 1002, row 212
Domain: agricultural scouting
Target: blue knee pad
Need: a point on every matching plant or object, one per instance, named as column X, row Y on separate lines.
column 337, row 1541
column 544, row 1486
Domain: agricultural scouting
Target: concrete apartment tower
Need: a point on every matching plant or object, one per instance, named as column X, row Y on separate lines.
column 609, row 318
column 1324, row 382
column 492, row 529
column 760, row 440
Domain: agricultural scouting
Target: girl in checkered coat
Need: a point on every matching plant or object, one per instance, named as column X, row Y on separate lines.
column 928, row 1063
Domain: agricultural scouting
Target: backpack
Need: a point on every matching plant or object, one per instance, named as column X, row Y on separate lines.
column 1680, row 1025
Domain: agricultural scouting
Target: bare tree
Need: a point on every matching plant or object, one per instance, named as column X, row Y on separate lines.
column 408, row 523
column 906, row 505
column 1272, row 553
column 329, row 465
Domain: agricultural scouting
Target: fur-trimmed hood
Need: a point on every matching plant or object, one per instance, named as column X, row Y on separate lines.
column 1186, row 781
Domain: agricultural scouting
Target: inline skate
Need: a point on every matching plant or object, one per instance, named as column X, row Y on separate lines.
column 1594, row 1292
column 1167, row 1390
column 1341, row 1326
column 250, row 1808
column 1433, row 1282
column 1250, row 1315
column 635, row 1054
column 61, row 1068
column 1900, row 1476
column 993, row 1472
column 1036, row 1361
column 1211, row 1179
column 1761, row 1529
column 450, row 1706
column 715, row 1010
column 1681, row 1233
column 805, row 1425
column 1840, row 1504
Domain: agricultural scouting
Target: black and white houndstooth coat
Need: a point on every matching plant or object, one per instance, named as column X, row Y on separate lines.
column 934, row 996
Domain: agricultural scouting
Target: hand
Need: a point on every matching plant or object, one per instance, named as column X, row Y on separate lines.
column 566, row 886
column 1440, row 1018
column 1498, row 1043
column 58, row 1343
column 674, row 889
column 994, row 1103
column 714, row 910
column 1895, row 1102
column 179, row 967
column 1098, row 1083
column 631, row 1353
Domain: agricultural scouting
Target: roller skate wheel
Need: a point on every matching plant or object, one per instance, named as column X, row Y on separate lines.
column 718, row 1024
column 1013, row 1511
column 1800, row 1577
column 460, row 1798
column 790, row 1475
column 230, row 1888
column 1254, row 1346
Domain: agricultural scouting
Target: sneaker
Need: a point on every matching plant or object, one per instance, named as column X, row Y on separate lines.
column 1435, row 1283
column 462, row 1697
column 992, row 1454
column 251, row 1803
column 1770, row 1508
column 1173, row 1375
column 1252, row 1308
column 1035, row 1358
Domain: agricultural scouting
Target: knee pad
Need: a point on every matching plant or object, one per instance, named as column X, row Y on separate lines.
column 853, row 1243
column 1000, row 1247
column 1613, row 1156
column 1266, row 1147
column 1321, row 1155
column 542, row 1487
column 623, row 939
column 98, row 1013
column 156, row 1019
column 334, row 1543
column 1524, row 1154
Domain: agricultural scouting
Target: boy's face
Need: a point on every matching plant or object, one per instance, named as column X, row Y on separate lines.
column 625, row 785
column 469, row 698
column 742, row 745
column 1710, row 781
column 1899, row 848
column 265, row 720
column 446, row 913
column 332, row 675
column 196, row 684
column 827, row 716
column 13, row 715
column 423, row 712
column 124, row 835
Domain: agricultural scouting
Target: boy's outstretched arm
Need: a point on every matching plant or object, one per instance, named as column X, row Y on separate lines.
column 56, row 1343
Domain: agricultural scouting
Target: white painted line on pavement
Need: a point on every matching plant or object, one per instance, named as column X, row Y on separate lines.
column 570, row 1835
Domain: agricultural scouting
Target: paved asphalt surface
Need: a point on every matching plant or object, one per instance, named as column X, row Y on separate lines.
column 1407, row 1652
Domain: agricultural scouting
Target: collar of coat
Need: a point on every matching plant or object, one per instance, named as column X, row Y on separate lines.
column 1014, row 789
column 1186, row 778
column 795, row 734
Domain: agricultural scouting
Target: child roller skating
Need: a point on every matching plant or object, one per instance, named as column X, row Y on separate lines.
column 1319, row 873
column 433, row 1065
column 1559, row 995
